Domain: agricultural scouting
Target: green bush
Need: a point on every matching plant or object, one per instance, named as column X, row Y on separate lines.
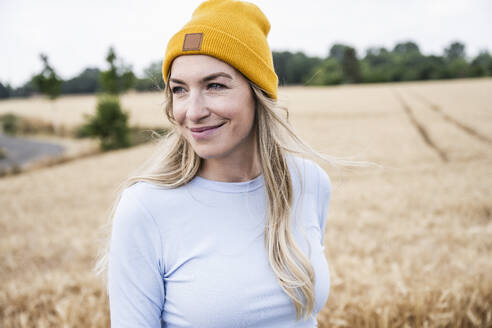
column 109, row 124
column 9, row 123
column 12, row 124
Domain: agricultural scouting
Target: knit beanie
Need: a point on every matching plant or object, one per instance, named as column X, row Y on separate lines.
column 232, row 31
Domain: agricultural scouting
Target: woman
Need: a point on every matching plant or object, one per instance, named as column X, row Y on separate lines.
column 223, row 226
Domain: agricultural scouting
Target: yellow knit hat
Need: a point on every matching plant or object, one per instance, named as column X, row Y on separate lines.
column 232, row 31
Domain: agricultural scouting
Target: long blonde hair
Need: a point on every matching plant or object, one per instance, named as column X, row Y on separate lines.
column 174, row 163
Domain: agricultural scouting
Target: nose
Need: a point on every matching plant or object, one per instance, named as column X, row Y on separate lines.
column 197, row 107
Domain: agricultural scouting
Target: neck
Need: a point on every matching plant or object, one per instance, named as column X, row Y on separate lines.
column 240, row 167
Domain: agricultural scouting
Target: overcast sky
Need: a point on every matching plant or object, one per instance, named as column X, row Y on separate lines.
column 77, row 34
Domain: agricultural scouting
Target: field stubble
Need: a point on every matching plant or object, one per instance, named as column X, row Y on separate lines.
column 409, row 244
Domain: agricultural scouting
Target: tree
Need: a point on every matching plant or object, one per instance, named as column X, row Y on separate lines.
column 152, row 80
column 329, row 72
column 85, row 82
column 154, row 70
column 281, row 63
column 408, row 47
column 456, row 65
column 432, row 68
column 347, row 57
column 481, row 65
column 376, row 65
column 294, row 68
column 299, row 66
column 5, row 91
column 119, row 77
column 407, row 61
column 378, row 56
column 456, row 50
column 47, row 81
column 350, row 66
column 109, row 123
column 337, row 51
column 26, row 90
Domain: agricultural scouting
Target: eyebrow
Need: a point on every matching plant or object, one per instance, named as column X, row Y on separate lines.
column 207, row 78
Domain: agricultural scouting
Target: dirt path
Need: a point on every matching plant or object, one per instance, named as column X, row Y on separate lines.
column 21, row 151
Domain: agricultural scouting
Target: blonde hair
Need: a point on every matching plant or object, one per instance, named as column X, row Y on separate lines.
column 174, row 163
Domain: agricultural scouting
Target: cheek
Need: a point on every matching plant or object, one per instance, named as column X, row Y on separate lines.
column 243, row 124
column 249, row 114
column 179, row 115
column 248, row 120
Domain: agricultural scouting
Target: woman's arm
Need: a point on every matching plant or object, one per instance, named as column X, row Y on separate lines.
column 135, row 283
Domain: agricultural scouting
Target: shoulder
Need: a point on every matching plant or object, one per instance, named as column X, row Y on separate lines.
column 150, row 195
column 156, row 202
column 139, row 202
column 130, row 211
column 132, row 196
column 134, row 228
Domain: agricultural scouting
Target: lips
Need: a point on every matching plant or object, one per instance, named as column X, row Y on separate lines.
column 205, row 128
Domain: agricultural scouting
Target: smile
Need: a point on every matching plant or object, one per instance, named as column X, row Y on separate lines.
column 205, row 132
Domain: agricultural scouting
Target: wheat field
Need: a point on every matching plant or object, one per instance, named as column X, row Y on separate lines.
column 409, row 243
column 145, row 109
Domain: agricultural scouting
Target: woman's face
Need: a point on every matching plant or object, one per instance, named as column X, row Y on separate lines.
column 213, row 106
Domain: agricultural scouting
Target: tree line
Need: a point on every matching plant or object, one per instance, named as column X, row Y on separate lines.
column 405, row 62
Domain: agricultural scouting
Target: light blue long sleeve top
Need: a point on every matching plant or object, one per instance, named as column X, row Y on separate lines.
column 194, row 256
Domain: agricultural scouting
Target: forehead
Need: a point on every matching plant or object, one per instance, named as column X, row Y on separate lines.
column 191, row 67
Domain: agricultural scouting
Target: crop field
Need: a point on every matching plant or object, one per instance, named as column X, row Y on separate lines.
column 68, row 111
column 409, row 243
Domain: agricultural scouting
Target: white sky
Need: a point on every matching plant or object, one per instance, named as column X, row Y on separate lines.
column 77, row 34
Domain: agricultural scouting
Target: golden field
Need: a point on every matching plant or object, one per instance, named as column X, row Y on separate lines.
column 68, row 111
column 409, row 244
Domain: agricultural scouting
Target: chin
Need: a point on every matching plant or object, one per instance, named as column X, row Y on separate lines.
column 210, row 152
column 206, row 152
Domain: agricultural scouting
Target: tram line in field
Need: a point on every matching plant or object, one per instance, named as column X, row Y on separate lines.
column 437, row 109
column 422, row 130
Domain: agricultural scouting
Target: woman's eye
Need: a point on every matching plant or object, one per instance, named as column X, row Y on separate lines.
column 174, row 90
column 216, row 85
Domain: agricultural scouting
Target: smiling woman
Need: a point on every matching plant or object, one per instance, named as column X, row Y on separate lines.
column 215, row 113
column 224, row 225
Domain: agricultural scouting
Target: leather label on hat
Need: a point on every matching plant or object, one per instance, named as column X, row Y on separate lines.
column 192, row 41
